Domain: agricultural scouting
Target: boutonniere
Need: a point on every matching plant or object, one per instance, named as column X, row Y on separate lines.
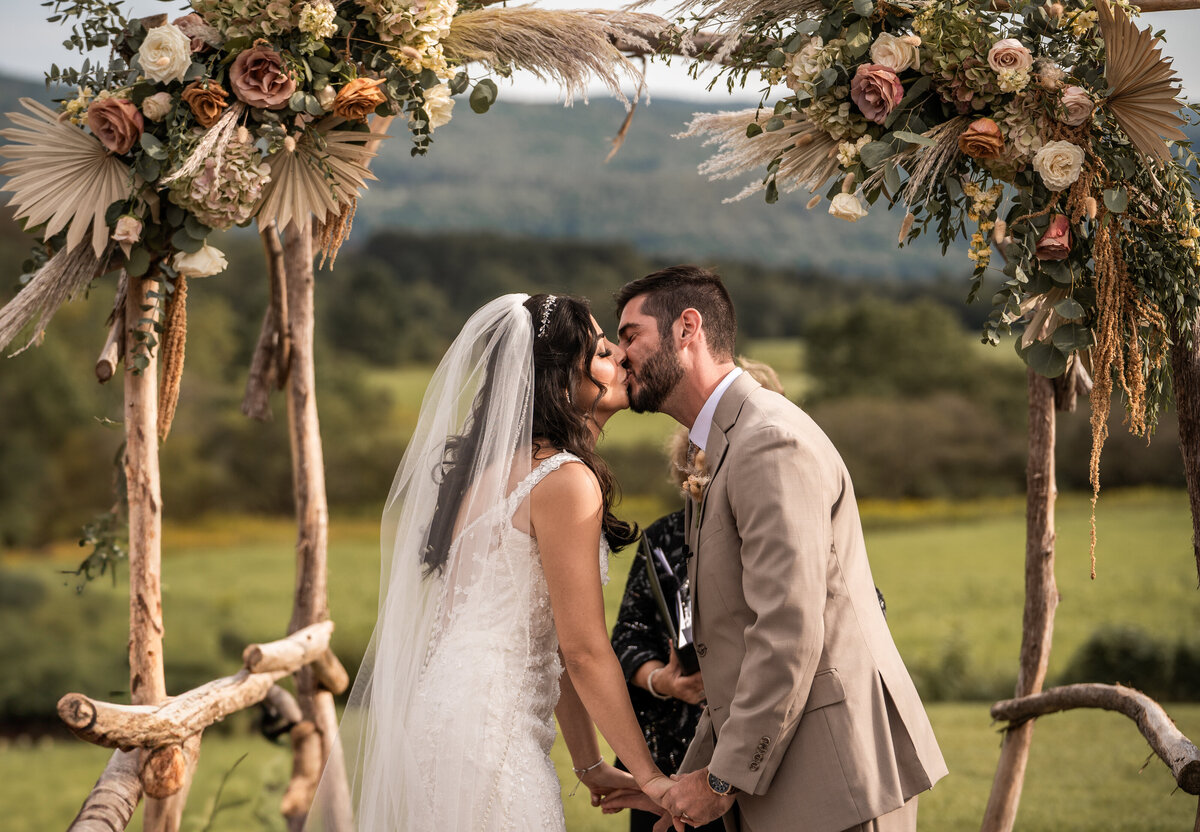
column 697, row 478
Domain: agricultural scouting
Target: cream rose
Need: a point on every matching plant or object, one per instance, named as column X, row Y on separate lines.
column 165, row 54
column 1058, row 163
column 206, row 262
column 156, row 107
column 128, row 230
column 1076, row 105
column 1009, row 54
column 898, row 54
column 848, row 207
column 438, row 105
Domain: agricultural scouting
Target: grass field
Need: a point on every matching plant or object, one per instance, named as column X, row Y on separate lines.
column 1085, row 774
column 952, row 574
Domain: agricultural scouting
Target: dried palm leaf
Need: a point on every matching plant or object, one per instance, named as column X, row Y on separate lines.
column 61, row 176
column 809, row 155
column 565, row 47
column 63, row 275
column 320, row 177
column 1145, row 88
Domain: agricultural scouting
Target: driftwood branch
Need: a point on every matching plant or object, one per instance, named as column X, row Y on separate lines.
column 174, row 721
column 289, row 653
column 330, row 674
column 306, row 773
column 110, row 805
column 1167, row 741
column 1041, row 600
column 272, row 354
column 1185, row 379
column 114, row 347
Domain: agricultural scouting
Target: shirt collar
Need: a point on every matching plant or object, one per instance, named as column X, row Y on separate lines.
column 703, row 424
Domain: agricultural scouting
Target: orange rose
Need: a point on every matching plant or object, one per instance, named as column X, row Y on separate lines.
column 358, row 99
column 207, row 100
column 982, row 140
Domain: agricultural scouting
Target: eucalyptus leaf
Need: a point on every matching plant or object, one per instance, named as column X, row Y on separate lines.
column 776, row 58
column 864, row 8
column 772, row 194
column 874, row 154
column 1069, row 308
column 483, row 96
column 753, row 129
column 891, row 177
column 196, row 229
column 153, row 147
column 138, row 262
column 1045, row 359
column 1071, row 337
column 184, row 241
column 1116, row 199
column 774, row 123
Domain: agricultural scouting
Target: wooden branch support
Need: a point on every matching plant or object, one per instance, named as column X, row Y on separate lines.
column 114, row 346
column 1041, row 599
column 289, row 654
column 306, row 773
column 273, row 353
column 310, row 601
column 110, row 805
column 173, row 722
column 283, row 703
column 1185, row 379
column 1168, row 742
column 330, row 674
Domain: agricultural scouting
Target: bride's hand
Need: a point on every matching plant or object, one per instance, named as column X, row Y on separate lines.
column 607, row 778
column 656, row 787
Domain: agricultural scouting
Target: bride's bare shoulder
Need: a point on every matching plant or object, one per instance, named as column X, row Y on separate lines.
column 569, row 490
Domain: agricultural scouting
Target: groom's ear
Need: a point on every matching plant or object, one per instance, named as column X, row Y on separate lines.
column 689, row 326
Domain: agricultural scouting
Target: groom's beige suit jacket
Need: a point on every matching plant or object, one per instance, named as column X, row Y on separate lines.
column 811, row 713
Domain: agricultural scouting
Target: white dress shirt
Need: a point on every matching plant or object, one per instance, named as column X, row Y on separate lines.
column 703, row 424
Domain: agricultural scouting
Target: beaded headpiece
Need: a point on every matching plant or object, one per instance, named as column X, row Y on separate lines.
column 547, row 308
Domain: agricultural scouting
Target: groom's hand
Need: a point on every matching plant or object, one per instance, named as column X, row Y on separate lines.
column 693, row 801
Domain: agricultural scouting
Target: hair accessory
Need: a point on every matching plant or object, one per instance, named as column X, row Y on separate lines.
column 547, row 308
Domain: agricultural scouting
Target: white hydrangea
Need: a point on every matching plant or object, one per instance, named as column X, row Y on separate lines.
column 316, row 19
column 1012, row 80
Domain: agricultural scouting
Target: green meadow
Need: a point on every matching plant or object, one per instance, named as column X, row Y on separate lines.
column 952, row 574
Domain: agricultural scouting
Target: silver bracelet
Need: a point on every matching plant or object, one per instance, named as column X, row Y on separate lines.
column 650, row 683
column 579, row 772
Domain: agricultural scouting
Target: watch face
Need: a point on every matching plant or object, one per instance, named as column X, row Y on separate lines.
column 718, row 785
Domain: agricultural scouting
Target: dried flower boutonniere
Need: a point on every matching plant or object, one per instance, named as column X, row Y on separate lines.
column 697, row 477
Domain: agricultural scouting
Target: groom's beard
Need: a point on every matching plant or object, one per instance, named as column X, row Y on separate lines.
column 661, row 373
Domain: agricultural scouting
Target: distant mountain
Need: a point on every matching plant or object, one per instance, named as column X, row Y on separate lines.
column 538, row 170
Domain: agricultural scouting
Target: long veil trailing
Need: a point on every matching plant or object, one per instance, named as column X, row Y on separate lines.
column 482, row 388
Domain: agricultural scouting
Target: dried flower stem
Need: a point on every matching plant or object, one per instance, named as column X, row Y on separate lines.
column 171, row 355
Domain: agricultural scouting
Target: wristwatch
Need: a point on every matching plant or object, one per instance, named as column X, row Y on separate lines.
column 720, row 787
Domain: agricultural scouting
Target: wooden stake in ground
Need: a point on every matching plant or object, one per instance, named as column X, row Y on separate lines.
column 310, row 604
column 1041, row 599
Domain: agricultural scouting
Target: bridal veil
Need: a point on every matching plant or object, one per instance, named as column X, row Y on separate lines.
column 483, row 387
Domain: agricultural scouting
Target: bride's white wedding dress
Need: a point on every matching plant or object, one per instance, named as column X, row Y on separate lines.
column 483, row 710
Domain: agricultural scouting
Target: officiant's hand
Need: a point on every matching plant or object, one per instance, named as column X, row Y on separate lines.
column 670, row 681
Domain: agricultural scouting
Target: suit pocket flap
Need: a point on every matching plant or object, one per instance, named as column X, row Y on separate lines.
column 826, row 690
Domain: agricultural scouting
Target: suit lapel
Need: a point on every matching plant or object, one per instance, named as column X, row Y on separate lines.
column 717, row 449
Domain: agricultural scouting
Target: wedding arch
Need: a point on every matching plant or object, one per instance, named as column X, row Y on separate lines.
column 271, row 110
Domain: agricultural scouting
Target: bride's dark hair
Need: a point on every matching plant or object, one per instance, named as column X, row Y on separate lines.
column 563, row 345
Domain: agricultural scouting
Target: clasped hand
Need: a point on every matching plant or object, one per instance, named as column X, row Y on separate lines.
column 681, row 799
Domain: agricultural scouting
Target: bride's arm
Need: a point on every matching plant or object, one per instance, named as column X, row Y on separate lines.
column 579, row 733
column 566, row 513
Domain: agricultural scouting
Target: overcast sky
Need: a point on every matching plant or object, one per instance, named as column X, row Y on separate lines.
column 30, row 45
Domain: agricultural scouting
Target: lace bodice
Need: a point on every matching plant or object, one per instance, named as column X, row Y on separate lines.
column 490, row 683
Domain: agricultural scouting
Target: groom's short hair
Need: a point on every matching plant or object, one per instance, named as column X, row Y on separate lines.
column 670, row 291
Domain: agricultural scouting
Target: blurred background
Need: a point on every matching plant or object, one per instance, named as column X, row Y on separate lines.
column 875, row 342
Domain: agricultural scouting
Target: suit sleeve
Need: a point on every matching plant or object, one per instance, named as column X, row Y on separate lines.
column 782, row 499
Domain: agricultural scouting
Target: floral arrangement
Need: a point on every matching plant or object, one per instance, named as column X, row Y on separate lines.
column 1037, row 132
column 244, row 110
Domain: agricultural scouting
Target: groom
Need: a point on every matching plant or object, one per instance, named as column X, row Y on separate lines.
column 812, row 722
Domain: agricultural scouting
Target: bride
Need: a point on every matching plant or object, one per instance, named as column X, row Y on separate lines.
column 495, row 547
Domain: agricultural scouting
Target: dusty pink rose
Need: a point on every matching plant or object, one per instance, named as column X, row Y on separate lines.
column 1076, row 106
column 200, row 33
column 876, row 90
column 259, row 78
column 1009, row 54
column 117, row 123
column 1055, row 244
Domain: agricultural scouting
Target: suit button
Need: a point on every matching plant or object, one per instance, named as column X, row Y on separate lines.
column 754, row 766
column 701, row 649
column 758, row 757
column 765, row 741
